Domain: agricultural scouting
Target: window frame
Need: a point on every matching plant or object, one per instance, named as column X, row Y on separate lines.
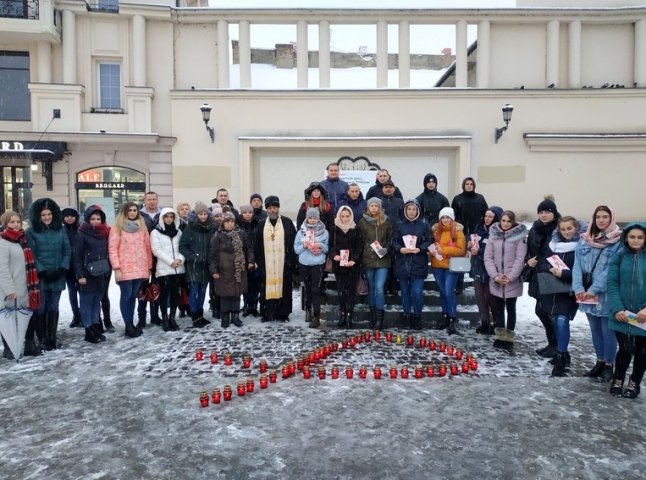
column 106, row 105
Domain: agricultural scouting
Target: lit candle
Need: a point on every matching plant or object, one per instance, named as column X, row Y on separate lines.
column 349, row 372
column 377, row 335
column 312, row 358
column 442, row 370
column 241, row 389
column 344, row 343
column 327, row 350
column 334, row 346
column 474, row 365
column 363, row 372
column 377, row 373
column 214, row 357
column 285, row 371
column 404, row 372
column 442, row 346
column 431, row 345
column 410, row 341
column 292, row 368
column 216, row 395
column 366, row 336
column 422, row 342
column 300, row 363
column 272, row 376
column 399, row 339
column 393, row 371
column 263, row 366
column 454, row 368
column 419, row 373
column 321, row 372
column 335, row 372
column 306, row 372
column 358, row 338
column 199, row 355
column 352, row 342
column 465, row 367
column 246, row 361
column 204, row 399
column 227, row 359
column 264, row 382
column 430, row 371
column 458, row 354
column 389, row 336
column 227, row 393
column 250, row 385
column 449, row 350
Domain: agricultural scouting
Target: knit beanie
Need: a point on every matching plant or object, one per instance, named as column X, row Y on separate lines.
column 255, row 195
column 548, row 205
column 246, row 209
column 428, row 177
column 200, row 207
column 447, row 212
column 376, row 200
column 216, row 209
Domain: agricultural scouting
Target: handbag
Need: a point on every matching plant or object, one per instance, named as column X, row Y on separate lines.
column 548, row 284
column 586, row 277
column 460, row 264
column 148, row 291
column 362, row 286
column 329, row 266
column 98, row 268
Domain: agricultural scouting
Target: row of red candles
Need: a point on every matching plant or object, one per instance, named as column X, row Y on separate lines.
column 289, row 370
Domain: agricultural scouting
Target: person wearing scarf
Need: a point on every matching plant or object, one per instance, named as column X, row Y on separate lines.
column 71, row 226
column 592, row 257
column 316, row 197
column 562, row 306
column 311, row 245
column 346, row 249
column 230, row 257
column 169, row 270
column 131, row 259
column 248, row 223
column 91, row 245
column 377, row 233
column 18, row 276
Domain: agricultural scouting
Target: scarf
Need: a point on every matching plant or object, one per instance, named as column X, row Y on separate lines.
column 30, row 265
column 100, row 232
column 273, row 237
column 337, row 221
column 131, row 226
column 318, row 228
column 169, row 230
column 239, row 262
column 606, row 238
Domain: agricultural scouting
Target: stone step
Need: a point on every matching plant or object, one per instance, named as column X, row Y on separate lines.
column 431, row 298
column 429, row 283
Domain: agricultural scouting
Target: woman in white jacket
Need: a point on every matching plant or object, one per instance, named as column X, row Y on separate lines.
column 164, row 242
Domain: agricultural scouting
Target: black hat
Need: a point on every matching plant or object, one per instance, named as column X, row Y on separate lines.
column 315, row 186
column 255, row 195
column 428, row 177
column 547, row 205
column 272, row 201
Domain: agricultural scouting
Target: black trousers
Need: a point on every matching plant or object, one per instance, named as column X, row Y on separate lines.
column 499, row 312
column 346, row 285
column 630, row 347
column 311, row 276
column 169, row 295
column 230, row 304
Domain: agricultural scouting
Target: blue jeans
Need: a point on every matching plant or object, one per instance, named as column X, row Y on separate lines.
column 412, row 290
column 73, row 294
column 196, row 296
column 376, row 281
column 90, row 308
column 129, row 290
column 49, row 300
column 603, row 339
column 446, row 280
column 562, row 330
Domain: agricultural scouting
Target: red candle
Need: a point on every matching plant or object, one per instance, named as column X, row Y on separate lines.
column 430, row 371
column 393, row 371
column 199, row 355
column 410, row 341
column 377, row 335
column 465, row 367
column 474, row 365
column 246, row 361
column 306, row 359
column 419, row 373
column 306, row 372
column 344, row 343
column 334, row 346
column 349, row 372
column 377, row 373
column 335, row 372
column 442, row 346
column 250, row 385
column 285, row 371
column 227, row 359
column 363, row 372
column 272, row 376
column 263, row 381
column 442, row 370
column 366, row 336
column 458, row 354
column 300, row 363
column 422, row 342
column 204, row 399
column 404, row 372
column 263, row 366
column 449, row 350
column 431, row 345
column 321, row 372
column 358, row 338
column 389, row 336
column 454, row 368
column 353, row 342
column 292, row 368
column 312, row 357
column 241, row 389
column 327, row 350
column 227, row 393
column 216, row 395
column 214, row 358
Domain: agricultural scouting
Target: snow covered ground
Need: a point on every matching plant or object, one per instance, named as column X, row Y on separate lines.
column 129, row 409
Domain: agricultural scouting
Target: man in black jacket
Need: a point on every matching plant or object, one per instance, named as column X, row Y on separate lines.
column 431, row 201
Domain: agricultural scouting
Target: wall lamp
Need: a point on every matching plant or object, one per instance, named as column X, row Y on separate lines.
column 506, row 116
column 206, row 116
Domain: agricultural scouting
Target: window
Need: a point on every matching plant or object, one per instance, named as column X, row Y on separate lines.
column 111, row 6
column 110, row 86
column 14, row 78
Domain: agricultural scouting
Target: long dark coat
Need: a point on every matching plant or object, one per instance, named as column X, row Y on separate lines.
column 194, row 245
column 350, row 240
column 222, row 262
column 89, row 247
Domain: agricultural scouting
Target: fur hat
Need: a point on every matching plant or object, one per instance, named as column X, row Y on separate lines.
column 447, row 212
column 229, row 216
column 272, row 201
column 200, row 207
column 246, row 208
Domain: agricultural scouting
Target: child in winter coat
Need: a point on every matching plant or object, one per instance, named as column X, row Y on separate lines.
column 411, row 240
column 92, row 269
column 562, row 306
column 627, row 307
column 449, row 242
column 311, row 246
column 164, row 242
column 504, row 260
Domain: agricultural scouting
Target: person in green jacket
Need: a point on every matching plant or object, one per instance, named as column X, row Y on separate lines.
column 627, row 308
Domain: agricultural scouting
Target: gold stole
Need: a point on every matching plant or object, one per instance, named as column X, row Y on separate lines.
column 274, row 246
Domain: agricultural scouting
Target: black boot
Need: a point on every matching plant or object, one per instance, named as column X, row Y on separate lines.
column 40, row 326
column 141, row 324
column 632, row 390
column 182, row 311
column 31, row 348
column 171, row 320
column 235, row 319
column 108, row 324
column 343, row 317
column 7, row 352
column 52, row 329
column 164, row 322
column 373, row 319
column 483, row 329
column 405, row 321
column 90, row 335
column 349, row 319
column 198, row 319
column 559, row 365
column 132, row 331
column 549, row 352
column 606, row 375
column 76, row 321
column 97, row 331
column 452, row 329
column 617, row 387
column 597, row 370
column 416, row 321
column 225, row 319
column 379, row 319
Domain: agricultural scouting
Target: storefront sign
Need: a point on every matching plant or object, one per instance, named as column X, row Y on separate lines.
column 11, row 146
column 135, row 186
column 89, row 176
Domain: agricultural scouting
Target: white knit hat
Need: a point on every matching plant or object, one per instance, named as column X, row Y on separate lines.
column 447, row 212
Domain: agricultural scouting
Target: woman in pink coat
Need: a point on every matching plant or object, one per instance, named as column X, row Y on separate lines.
column 504, row 259
column 131, row 259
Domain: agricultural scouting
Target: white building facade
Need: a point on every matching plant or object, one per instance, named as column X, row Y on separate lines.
column 128, row 80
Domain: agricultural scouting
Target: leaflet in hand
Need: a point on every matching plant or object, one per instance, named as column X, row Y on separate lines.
column 557, row 262
column 309, row 236
column 378, row 249
column 475, row 239
column 345, row 257
column 589, row 301
column 410, row 241
column 632, row 319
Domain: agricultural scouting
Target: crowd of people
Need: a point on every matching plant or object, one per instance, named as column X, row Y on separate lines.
column 168, row 259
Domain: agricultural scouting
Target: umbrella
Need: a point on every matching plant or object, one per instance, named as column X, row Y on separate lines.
column 13, row 327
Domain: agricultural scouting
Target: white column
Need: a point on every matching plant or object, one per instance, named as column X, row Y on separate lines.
column 461, row 79
column 574, row 68
column 138, row 51
column 302, row 62
column 44, row 62
column 244, row 54
column 552, row 62
column 382, row 54
column 640, row 52
column 483, row 72
column 324, row 54
column 223, row 54
column 404, row 54
column 69, row 47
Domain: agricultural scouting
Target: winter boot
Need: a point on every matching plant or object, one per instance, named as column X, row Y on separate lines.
column 308, row 314
column 315, row 322
column 225, row 319
column 40, row 327
column 349, row 319
column 52, row 328
column 132, row 331
column 404, row 321
column 7, row 352
column 379, row 319
column 182, row 311
column 141, row 324
column 97, row 331
column 567, row 360
column 171, row 320
column 559, row 365
column 373, row 319
column 235, row 319
column 500, row 337
column 416, row 322
column 343, row 318
column 109, row 328
column 632, row 390
column 90, row 335
column 508, row 341
column 483, row 329
column 164, row 321
column 198, row 319
column 452, row 329
column 76, row 321
column 617, row 387
column 606, row 375
column 597, row 370
column 31, row 348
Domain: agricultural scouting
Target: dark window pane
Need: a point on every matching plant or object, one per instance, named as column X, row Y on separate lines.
column 14, row 78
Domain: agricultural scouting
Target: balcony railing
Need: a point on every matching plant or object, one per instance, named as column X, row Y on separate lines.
column 26, row 9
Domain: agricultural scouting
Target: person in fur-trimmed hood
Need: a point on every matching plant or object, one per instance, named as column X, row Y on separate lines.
column 52, row 254
column 504, row 259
